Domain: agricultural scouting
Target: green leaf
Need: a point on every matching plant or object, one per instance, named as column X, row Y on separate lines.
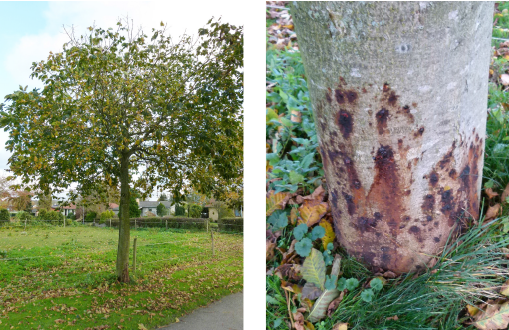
column 278, row 220
column 376, row 284
column 284, row 96
column 272, row 300
column 367, row 295
column 303, row 247
column 296, row 178
column 307, row 160
column 330, row 246
column 351, row 284
column 286, row 122
column 489, row 184
column 271, row 114
column 300, row 231
column 313, row 269
column 317, row 232
column 342, row 284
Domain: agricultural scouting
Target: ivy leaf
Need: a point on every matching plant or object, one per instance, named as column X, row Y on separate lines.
column 351, row 284
column 317, row 232
column 327, row 257
column 303, row 247
column 367, row 295
column 313, row 269
column 330, row 246
column 300, row 231
column 306, row 161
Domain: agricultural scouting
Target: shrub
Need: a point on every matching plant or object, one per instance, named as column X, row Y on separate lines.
column 91, row 216
column 4, row 215
column 231, row 224
column 195, row 211
column 22, row 216
column 71, row 216
column 42, row 214
column 108, row 214
column 173, row 222
column 179, row 210
column 162, row 210
column 134, row 208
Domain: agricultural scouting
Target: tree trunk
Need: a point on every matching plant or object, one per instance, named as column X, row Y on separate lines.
column 124, row 225
column 399, row 93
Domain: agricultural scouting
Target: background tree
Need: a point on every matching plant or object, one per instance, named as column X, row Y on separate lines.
column 161, row 210
column 399, row 94
column 21, row 200
column 163, row 197
column 134, row 208
column 45, row 201
column 116, row 102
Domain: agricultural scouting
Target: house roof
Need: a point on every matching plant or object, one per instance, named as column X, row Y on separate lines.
column 143, row 204
column 70, row 207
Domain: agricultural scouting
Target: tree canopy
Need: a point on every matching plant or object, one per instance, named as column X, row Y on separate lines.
column 173, row 107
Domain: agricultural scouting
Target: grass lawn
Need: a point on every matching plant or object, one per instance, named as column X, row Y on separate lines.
column 54, row 277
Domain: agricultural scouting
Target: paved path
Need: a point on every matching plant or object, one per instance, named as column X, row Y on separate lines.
column 225, row 314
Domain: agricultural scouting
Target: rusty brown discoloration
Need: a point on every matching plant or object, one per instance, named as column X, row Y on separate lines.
column 433, row 178
column 351, row 96
column 419, row 132
column 364, row 90
column 340, row 96
column 428, row 204
column 345, row 122
column 448, row 156
column 417, row 232
column 350, row 203
column 381, row 118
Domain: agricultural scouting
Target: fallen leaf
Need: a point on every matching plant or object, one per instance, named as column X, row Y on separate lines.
column 504, row 79
column 389, row 274
column 395, row 318
column 505, row 194
column 340, row 326
column 505, row 289
column 269, row 250
column 329, row 233
column 309, row 325
column 472, row 310
column 59, row 321
column 311, row 291
column 142, row 327
column 299, row 321
column 311, row 214
column 313, row 269
column 293, row 215
column 492, row 211
column 496, row 316
column 276, row 201
column 296, row 116
column 334, row 304
column 490, row 193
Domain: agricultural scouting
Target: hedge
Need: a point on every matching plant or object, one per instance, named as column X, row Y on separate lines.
column 173, row 222
column 231, row 224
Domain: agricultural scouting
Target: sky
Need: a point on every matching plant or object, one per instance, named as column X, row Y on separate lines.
column 30, row 30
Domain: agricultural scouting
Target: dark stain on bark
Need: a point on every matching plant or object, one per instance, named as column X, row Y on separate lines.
column 340, row 97
column 350, row 203
column 428, row 204
column 345, row 122
column 393, row 98
column 351, row 96
column 417, row 232
column 433, row 179
column 448, row 156
column 381, row 117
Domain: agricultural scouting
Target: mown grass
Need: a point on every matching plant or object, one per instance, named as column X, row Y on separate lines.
column 65, row 279
column 469, row 271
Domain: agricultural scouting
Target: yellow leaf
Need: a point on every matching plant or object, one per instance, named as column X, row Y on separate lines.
column 329, row 233
column 293, row 215
column 340, row 326
column 275, row 201
column 311, row 213
column 447, row 188
column 505, row 289
column 141, row 327
column 472, row 310
column 177, row 320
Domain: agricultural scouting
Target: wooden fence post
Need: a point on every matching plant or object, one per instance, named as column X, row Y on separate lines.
column 110, row 223
column 134, row 255
column 207, row 225
column 166, row 224
column 134, row 223
column 212, row 236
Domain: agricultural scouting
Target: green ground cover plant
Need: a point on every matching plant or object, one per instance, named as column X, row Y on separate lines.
column 471, row 272
column 56, row 277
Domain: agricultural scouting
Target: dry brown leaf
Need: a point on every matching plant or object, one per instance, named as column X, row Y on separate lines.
column 505, row 289
column 334, row 304
column 340, row 326
column 395, row 318
column 296, row 115
column 311, row 214
column 317, row 195
column 496, row 316
column 505, row 194
column 269, row 250
column 293, row 215
column 504, row 79
column 389, row 274
column 492, row 212
column 299, row 321
column 490, row 193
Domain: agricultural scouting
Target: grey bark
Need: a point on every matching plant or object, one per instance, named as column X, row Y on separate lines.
column 399, row 94
column 122, row 269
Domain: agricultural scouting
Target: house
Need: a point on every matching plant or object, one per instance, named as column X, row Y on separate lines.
column 113, row 207
column 151, row 206
column 68, row 210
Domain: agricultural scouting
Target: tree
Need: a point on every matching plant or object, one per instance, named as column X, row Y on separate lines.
column 163, row 197
column 45, row 202
column 134, row 208
column 399, row 96
column 21, row 200
column 4, row 215
column 195, row 211
column 161, row 210
column 119, row 102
